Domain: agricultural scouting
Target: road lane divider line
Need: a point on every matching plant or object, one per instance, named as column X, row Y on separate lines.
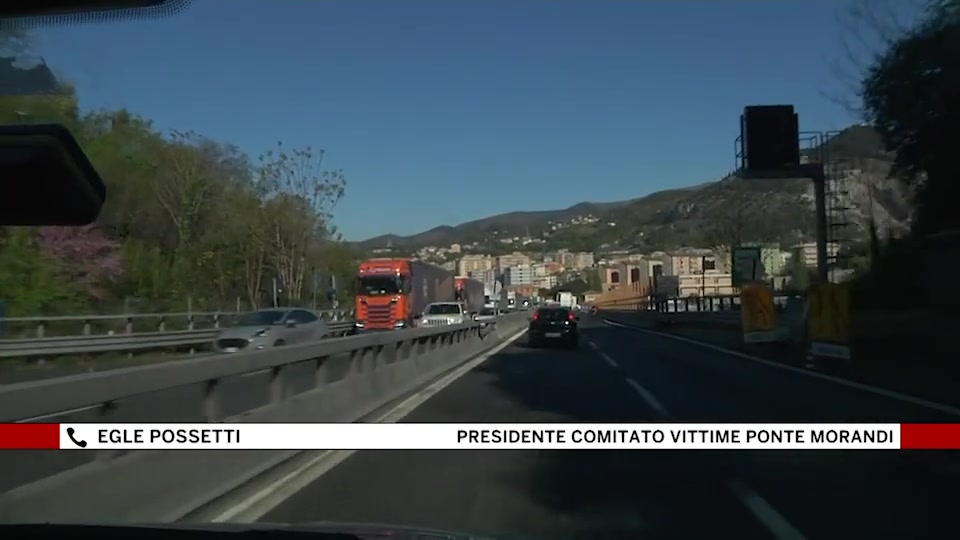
column 605, row 356
column 779, row 527
column 647, row 396
column 611, row 361
column 272, row 495
column 913, row 400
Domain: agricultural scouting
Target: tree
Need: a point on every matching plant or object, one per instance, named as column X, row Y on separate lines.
column 84, row 256
column 300, row 196
column 186, row 217
column 867, row 28
column 910, row 94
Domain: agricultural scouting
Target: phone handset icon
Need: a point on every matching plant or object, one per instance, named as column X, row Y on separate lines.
column 81, row 443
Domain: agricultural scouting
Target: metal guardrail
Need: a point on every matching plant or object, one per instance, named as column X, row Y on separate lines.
column 167, row 486
column 692, row 304
column 722, row 311
column 126, row 323
column 128, row 343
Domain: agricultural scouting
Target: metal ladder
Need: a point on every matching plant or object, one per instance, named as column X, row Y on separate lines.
column 839, row 233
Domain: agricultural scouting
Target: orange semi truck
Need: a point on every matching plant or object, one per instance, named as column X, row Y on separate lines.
column 470, row 292
column 392, row 293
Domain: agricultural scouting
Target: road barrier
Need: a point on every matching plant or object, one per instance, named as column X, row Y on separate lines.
column 158, row 486
column 125, row 323
column 724, row 312
column 129, row 343
column 339, row 323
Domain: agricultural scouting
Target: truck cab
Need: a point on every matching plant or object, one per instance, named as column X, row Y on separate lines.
column 444, row 314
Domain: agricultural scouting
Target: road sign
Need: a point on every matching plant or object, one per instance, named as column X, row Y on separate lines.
column 771, row 138
column 747, row 266
column 757, row 313
column 828, row 320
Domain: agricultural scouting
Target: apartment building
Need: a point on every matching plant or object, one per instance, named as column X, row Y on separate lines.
column 694, row 261
column 472, row 264
column 520, row 274
column 486, row 276
column 583, row 259
column 807, row 252
column 514, row 259
column 709, row 284
column 546, row 282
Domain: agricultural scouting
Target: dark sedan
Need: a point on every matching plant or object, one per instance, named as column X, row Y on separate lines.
column 554, row 324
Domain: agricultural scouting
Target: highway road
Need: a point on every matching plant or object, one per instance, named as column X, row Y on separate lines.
column 628, row 375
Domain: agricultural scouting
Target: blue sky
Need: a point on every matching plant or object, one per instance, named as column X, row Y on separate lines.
column 444, row 111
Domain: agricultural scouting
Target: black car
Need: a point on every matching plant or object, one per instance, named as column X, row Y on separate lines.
column 554, row 323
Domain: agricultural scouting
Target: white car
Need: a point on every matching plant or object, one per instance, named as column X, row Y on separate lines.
column 444, row 314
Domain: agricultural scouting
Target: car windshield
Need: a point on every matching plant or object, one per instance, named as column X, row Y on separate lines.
column 261, row 318
column 378, row 285
column 716, row 245
column 443, row 309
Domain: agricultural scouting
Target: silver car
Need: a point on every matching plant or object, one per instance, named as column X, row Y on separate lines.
column 272, row 327
column 486, row 317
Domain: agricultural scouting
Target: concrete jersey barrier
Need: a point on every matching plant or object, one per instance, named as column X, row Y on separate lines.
column 163, row 486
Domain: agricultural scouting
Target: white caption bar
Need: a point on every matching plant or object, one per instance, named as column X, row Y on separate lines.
column 479, row 436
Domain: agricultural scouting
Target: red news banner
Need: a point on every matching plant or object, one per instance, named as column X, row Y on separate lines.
column 659, row 436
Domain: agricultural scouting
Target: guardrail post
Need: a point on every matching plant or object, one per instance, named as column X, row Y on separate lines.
column 404, row 350
column 211, row 403
column 321, row 375
column 277, row 384
column 128, row 328
column 356, row 361
column 376, row 357
column 190, row 327
column 161, row 324
column 86, row 328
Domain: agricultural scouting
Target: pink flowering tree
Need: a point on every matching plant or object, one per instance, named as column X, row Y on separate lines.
column 85, row 256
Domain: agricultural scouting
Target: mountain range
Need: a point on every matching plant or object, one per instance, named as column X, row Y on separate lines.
column 731, row 209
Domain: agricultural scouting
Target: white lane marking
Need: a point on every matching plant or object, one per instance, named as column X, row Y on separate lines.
column 647, row 396
column 609, row 360
column 765, row 512
column 268, row 498
column 605, row 356
column 815, row 374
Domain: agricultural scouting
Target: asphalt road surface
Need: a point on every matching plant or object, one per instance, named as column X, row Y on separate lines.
column 627, row 375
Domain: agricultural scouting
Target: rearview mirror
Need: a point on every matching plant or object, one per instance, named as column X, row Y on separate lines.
column 48, row 180
column 291, row 324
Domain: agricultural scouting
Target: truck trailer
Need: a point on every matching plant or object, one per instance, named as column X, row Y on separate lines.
column 470, row 292
column 392, row 293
